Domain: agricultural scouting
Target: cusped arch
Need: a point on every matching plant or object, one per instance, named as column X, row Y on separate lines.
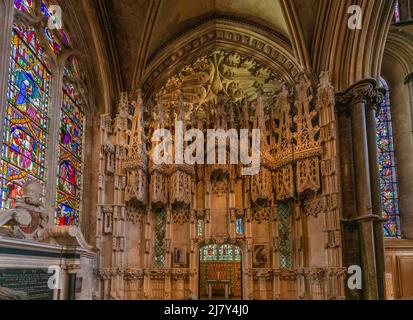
column 268, row 49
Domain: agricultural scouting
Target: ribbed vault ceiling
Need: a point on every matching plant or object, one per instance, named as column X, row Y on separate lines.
column 140, row 27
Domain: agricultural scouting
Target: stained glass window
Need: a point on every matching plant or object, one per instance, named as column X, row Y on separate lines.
column 239, row 225
column 57, row 38
column 69, row 184
column 53, row 41
column 25, row 136
column 25, row 119
column 284, row 236
column 220, row 262
column 24, row 6
column 160, row 233
column 387, row 167
column 397, row 12
column 225, row 252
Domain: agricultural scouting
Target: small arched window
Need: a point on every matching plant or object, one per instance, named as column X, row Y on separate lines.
column 387, row 167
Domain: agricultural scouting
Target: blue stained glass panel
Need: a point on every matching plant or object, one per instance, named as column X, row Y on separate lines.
column 24, row 6
column 387, row 167
column 240, row 226
column 24, row 143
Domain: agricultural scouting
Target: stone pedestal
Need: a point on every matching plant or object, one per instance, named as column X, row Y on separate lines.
column 45, row 261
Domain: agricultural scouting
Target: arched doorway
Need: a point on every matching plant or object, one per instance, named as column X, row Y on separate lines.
column 220, row 272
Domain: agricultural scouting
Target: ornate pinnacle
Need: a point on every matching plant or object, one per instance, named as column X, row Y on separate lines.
column 181, row 106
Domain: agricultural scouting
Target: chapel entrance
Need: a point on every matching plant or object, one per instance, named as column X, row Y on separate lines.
column 220, row 272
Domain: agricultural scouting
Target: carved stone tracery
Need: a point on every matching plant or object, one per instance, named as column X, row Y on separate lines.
column 214, row 91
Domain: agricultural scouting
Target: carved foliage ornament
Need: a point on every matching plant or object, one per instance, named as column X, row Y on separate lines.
column 230, row 73
column 314, row 206
column 366, row 92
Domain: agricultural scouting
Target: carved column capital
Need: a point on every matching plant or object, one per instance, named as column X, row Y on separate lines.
column 72, row 268
column 366, row 91
column 104, row 274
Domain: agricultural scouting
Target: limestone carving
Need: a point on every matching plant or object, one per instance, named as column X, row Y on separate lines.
column 27, row 218
column 202, row 203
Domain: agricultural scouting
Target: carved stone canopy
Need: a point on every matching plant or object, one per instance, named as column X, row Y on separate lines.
column 220, row 32
column 229, row 73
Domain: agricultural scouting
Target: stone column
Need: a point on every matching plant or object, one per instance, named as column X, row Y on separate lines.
column 354, row 101
column 55, row 103
column 71, row 270
column 375, row 101
column 363, row 199
column 351, row 255
column 6, row 24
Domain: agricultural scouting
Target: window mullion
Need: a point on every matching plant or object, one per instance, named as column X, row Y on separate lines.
column 6, row 26
column 53, row 142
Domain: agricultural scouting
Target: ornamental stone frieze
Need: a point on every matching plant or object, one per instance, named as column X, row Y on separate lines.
column 318, row 274
column 263, row 274
column 158, row 274
column 133, row 274
column 287, row 275
column 180, row 274
column 104, row 274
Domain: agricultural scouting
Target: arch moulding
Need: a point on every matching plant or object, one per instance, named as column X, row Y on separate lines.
column 267, row 48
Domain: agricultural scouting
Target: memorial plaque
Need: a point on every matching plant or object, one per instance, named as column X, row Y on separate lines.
column 33, row 282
